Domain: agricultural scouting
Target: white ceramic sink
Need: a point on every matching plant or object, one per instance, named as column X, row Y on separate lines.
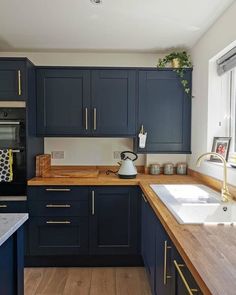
column 195, row 204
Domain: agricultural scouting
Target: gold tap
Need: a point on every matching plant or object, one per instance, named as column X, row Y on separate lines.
column 225, row 194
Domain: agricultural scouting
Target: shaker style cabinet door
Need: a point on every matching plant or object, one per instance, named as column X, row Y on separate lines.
column 114, row 221
column 12, row 80
column 164, row 110
column 113, row 102
column 63, row 101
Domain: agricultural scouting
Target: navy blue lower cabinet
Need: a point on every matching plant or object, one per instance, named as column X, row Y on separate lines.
column 58, row 235
column 164, row 110
column 114, row 220
column 12, row 265
column 148, row 237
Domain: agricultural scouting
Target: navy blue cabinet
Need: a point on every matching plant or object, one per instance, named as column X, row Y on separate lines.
column 148, row 238
column 63, row 101
column 113, row 102
column 164, row 110
column 114, row 220
column 12, row 79
column 85, row 102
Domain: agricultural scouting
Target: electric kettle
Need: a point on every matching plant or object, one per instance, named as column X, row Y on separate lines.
column 127, row 168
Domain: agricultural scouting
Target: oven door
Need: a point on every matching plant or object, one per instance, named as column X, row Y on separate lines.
column 12, row 134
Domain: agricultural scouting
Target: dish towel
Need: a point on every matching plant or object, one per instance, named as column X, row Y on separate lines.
column 6, row 162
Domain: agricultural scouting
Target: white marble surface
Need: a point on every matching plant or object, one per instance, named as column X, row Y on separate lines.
column 9, row 223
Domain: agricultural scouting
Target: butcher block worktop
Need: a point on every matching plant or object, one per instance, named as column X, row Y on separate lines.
column 209, row 251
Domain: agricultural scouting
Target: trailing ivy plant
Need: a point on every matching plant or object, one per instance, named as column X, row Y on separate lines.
column 184, row 62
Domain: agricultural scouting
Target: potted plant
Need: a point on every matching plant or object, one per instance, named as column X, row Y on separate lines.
column 179, row 61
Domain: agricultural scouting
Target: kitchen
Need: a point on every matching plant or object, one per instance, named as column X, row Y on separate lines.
column 79, row 85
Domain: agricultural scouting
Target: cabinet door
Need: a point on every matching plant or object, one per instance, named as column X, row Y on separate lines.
column 184, row 282
column 12, row 80
column 163, row 267
column 114, row 220
column 58, row 235
column 63, row 102
column 164, row 111
column 148, row 235
column 113, row 102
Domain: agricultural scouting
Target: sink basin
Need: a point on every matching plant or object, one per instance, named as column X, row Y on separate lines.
column 195, row 204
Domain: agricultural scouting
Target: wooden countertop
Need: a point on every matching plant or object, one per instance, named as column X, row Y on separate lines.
column 209, row 251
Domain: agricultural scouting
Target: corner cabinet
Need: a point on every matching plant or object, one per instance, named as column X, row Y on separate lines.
column 164, row 110
column 12, row 79
column 85, row 102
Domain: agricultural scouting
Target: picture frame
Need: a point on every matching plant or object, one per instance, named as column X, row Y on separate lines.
column 220, row 146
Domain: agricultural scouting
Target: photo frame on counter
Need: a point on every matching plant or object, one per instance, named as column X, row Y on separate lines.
column 220, row 146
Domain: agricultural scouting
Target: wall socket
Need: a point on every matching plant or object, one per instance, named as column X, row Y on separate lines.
column 57, row 155
column 116, row 155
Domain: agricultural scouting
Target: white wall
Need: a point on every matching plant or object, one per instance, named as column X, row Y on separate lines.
column 219, row 36
column 94, row 151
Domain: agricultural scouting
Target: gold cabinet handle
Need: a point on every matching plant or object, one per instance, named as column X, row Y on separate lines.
column 19, row 82
column 178, row 267
column 58, row 206
column 94, row 119
column 165, row 275
column 145, row 200
column 86, row 118
column 3, row 206
column 93, row 202
column 58, row 189
column 58, row 222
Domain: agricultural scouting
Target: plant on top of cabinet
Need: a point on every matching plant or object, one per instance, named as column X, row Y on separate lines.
column 179, row 61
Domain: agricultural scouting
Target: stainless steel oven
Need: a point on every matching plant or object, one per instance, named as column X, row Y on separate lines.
column 12, row 136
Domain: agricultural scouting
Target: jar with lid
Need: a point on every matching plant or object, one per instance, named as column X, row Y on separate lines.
column 168, row 168
column 155, row 169
column 181, row 168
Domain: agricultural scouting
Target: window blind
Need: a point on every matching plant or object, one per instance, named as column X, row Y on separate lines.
column 227, row 62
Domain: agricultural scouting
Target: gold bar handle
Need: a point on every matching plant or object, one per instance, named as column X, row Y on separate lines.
column 3, row 206
column 93, row 203
column 86, row 118
column 145, row 200
column 58, row 189
column 58, row 222
column 19, row 82
column 94, row 119
column 58, row 206
column 165, row 276
column 178, row 267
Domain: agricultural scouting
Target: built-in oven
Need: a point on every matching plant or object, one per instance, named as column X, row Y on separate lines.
column 12, row 136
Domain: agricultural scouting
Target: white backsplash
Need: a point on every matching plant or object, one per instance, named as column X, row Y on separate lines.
column 99, row 151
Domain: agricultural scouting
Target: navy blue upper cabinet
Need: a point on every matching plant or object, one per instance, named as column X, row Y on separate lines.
column 12, row 79
column 63, row 98
column 164, row 110
column 113, row 102
column 114, row 221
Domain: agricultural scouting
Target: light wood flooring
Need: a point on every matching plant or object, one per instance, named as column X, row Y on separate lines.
column 86, row 281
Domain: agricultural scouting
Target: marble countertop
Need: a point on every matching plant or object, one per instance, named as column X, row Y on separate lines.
column 9, row 223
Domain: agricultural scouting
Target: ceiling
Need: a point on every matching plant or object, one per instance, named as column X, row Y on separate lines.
column 121, row 25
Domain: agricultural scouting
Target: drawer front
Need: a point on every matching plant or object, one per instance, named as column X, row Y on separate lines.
column 58, row 208
column 58, row 193
column 58, row 235
column 13, row 207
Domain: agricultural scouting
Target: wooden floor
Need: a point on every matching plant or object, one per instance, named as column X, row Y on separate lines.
column 86, row 281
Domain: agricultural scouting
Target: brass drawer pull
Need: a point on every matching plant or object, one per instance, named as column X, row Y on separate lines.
column 58, row 222
column 86, row 118
column 58, row 189
column 165, row 275
column 93, row 203
column 145, row 200
column 19, row 82
column 94, row 119
column 178, row 267
column 3, row 206
column 58, row 206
